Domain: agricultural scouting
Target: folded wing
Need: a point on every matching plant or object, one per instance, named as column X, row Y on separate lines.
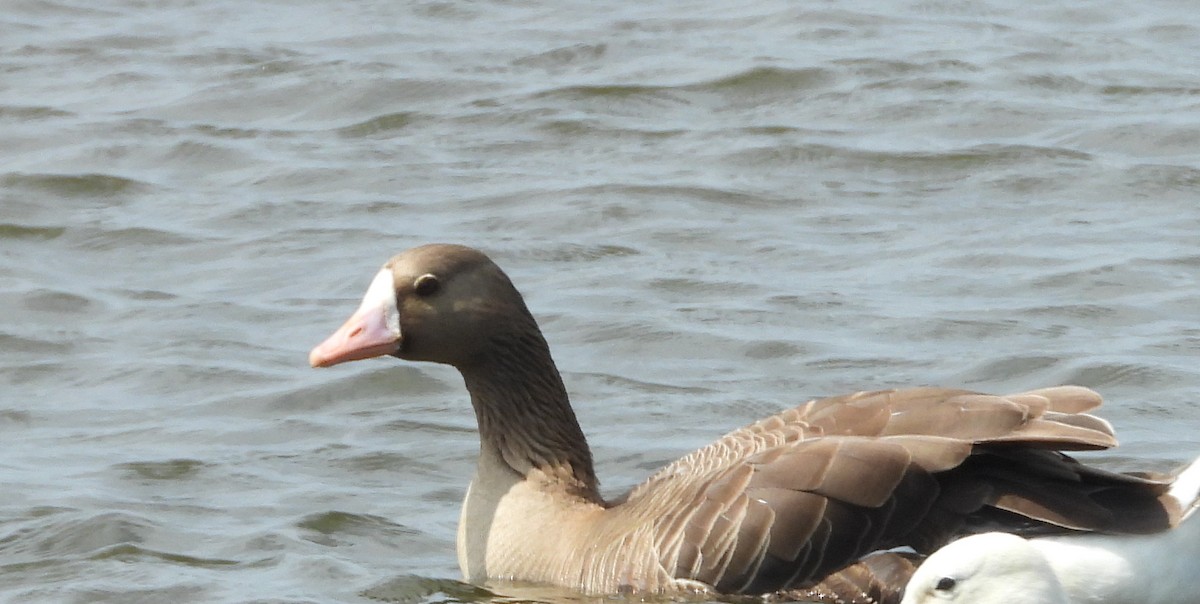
column 792, row 499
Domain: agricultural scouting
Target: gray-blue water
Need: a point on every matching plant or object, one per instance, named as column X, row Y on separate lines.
column 715, row 209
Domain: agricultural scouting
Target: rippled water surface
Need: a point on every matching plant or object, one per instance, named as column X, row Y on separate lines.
column 715, row 210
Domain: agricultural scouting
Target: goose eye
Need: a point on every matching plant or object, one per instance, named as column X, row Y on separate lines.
column 426, row 285
column 945, row 584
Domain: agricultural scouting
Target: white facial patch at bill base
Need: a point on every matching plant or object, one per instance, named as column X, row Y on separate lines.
column 382, row 295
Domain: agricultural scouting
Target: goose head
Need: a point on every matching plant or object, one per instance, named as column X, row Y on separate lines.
column 440, row 303
column 987, row 568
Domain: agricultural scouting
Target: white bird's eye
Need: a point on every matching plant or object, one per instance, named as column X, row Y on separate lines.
column 426, row 285
column 945, row 584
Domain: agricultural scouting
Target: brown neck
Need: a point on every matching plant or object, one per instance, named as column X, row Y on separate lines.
column 525, row 417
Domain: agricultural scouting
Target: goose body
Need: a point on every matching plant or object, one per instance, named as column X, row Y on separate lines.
column 999, row 568
column 793, row 503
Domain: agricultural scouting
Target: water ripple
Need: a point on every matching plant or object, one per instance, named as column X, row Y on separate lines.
column 174, row 469
column 75, row 185
column 331, row 528
column 42, row 233
column 380, row 125
column 68, row 534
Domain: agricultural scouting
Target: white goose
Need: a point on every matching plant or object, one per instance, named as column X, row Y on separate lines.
column 1000, row 568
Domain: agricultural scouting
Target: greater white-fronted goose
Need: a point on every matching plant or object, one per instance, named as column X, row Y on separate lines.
column 791, row 503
